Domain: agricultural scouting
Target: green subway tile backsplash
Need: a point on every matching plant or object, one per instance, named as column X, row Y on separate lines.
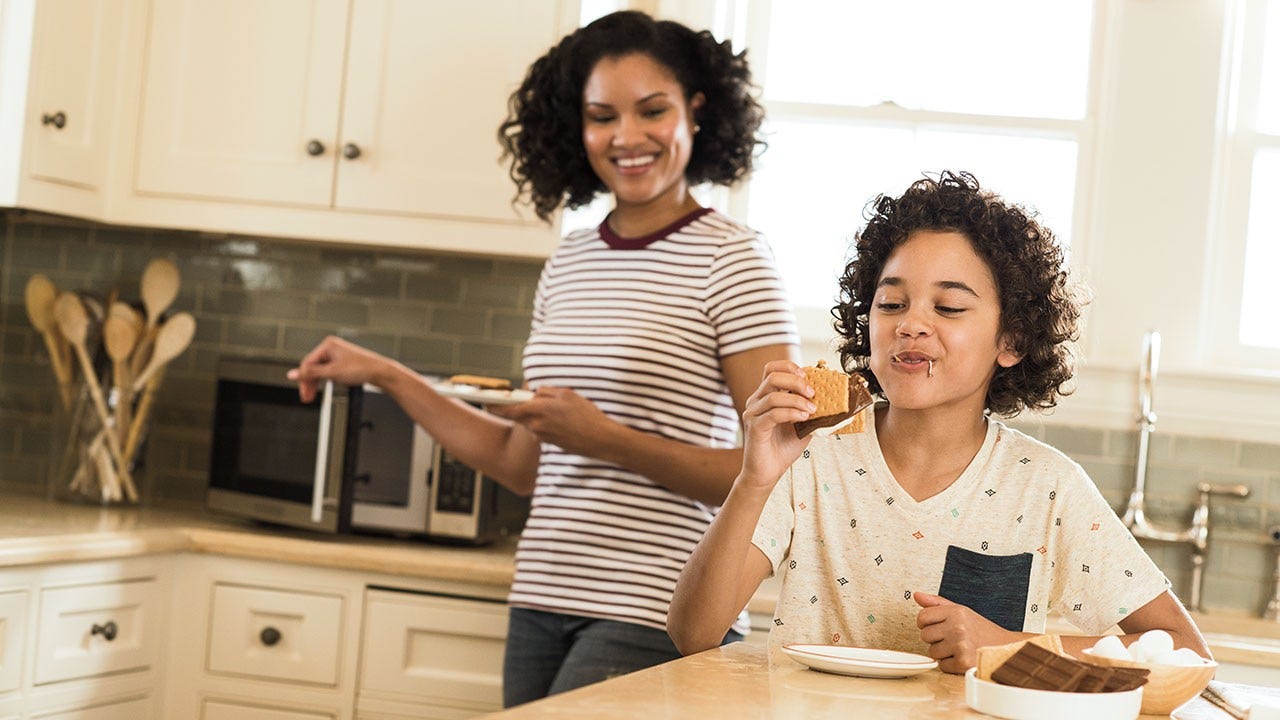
column 450, row 314
column 249, row 296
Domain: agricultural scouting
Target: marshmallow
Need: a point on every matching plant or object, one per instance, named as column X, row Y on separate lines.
column 1156, row 642
column 1189, row 656
column 1110, row 646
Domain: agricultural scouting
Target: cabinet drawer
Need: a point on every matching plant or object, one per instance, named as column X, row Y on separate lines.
column 232, row 710
column 13, row 619
column 132, row 709
column 91, row 630
column 275, row 634
column 436, row 649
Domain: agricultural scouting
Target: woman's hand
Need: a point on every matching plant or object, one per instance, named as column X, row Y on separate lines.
column 770, row 443
column 955, row 632
column 340, row 361
column 563, row 418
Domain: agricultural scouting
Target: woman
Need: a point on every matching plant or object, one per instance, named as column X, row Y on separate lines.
column 649, row 333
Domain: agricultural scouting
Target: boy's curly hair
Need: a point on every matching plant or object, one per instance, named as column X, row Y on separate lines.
column 1039, row 306
column 542, row 135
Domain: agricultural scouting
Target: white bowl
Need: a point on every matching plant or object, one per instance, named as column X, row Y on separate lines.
column 1015, row 703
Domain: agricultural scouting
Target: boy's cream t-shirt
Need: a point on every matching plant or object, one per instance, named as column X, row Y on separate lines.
column 1021, row 531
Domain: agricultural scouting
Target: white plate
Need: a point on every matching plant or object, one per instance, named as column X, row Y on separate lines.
column 1016, row 703
column 484, row 396
column 860, row 662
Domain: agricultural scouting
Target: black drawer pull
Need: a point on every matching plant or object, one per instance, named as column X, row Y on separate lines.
column 269, row 636
column 107, row 630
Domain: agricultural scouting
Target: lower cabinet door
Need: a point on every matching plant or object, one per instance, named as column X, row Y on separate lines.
column 439, row 652
column 13, row 619
column 90, row 630
column 214, row 709
column 131, row 709
column 275, row 634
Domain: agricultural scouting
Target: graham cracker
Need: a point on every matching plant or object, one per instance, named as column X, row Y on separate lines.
column 993, row 656
column 838, row 397
column 481, row 381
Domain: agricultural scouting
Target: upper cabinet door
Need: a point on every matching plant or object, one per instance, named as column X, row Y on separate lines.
column 427, row 88
column 68, row 105
column 241, row 99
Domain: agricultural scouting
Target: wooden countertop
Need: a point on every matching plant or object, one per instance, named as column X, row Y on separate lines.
column 745, row 681
column 36, row 531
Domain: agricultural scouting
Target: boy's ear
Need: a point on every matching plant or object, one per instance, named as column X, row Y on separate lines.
column 1008, row 356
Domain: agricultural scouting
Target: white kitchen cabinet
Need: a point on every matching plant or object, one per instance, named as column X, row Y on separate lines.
column 215, row 709
column 128, row 709
column 234, row 91
column 58, row 81
column 95, row 629
column 353, row 120
column 13, row 621
column 424, row 655
column 427, row 85
column 227, row 665
column 275, row 634
column 80, row 641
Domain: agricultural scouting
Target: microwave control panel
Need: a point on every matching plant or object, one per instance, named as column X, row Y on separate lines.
column 457, row 487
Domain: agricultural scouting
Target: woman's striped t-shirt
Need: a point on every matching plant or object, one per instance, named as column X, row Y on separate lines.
column 638, row 326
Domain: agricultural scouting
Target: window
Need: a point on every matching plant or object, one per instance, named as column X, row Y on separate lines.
column 863, row 99
column 1248, row 246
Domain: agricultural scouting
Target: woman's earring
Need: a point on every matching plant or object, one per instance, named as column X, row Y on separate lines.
column 696, row 128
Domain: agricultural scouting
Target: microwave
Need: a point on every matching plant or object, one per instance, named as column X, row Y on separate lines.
column 350, row 461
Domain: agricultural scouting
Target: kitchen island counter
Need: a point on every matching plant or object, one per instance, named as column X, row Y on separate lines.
column 744, row 681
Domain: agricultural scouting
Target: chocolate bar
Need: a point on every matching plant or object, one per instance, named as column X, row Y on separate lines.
column 1037, row 668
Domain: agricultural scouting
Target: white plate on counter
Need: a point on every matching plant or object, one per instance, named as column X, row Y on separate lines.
column 859, row 662
column 483, row 396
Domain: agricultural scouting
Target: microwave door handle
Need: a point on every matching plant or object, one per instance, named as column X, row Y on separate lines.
column 322, row 453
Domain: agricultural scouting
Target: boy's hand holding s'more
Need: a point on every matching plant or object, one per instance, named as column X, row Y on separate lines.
column 790, row 403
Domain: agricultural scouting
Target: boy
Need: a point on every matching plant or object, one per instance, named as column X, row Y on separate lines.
column 938, row 530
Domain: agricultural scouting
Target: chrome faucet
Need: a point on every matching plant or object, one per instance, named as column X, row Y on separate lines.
column 1135, row 517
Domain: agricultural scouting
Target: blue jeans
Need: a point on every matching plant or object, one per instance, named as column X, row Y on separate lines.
column 549, row 653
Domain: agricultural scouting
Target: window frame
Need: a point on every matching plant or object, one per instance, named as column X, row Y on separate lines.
column 1238, row 147
column 745, row 22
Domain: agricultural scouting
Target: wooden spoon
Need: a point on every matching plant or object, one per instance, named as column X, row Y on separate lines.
column 74, row 323
column 172, row 339
column 126, row 312
column 160, row 282
column 120, row 336
column 41, row 295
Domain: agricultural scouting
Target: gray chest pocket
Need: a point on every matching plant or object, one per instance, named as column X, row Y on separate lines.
column 994, row 586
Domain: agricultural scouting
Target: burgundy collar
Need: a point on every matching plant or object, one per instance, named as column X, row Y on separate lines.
column 618, row 242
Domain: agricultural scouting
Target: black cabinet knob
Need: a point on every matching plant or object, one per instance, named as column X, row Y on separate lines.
column 269, row 636
column 107, row 630
column 58, row 119
column 351, row 151
column 315, row 148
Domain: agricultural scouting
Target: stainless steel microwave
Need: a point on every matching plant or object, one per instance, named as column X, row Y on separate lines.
column 350, row 461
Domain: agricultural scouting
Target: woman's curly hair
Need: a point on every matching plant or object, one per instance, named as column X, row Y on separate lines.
column 542, row 136
column 1039, row 305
